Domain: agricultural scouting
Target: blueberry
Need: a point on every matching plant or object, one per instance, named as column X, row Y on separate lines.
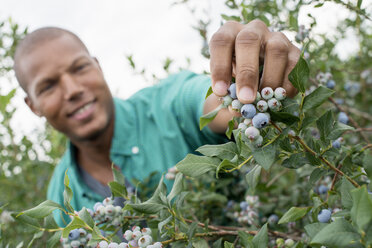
column 252, row 133
column 336, row 144
column 258, row 141
column 103, row 244
column 322, row 189
column 260, row 120
column 242, row 126
column 74, row 234
column 280, row 93
column 232, row 91
column 96, row 205
column 342, row 117
column 324, row 215
column 227, row 100
column 248, row 111
column 339, row 101
column 273, row 218
column 243, row 205
column 331, row 84
column 113, row 245
column 274, row 104
column 236, row 105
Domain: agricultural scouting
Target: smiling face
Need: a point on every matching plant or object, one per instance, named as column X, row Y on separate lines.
column 65, row 85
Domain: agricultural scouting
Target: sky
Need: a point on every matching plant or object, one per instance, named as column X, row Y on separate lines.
column 149, row 30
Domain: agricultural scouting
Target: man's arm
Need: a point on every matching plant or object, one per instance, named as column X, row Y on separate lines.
column 237, row 50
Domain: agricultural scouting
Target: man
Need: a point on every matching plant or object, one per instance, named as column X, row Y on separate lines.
column 156, row 127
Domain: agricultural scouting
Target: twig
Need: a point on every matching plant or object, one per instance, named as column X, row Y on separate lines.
column 307, row 148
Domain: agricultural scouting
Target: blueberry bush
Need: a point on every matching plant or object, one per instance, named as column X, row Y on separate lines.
column 296, row 172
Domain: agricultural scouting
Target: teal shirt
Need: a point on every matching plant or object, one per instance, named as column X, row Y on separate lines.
column 154, row 129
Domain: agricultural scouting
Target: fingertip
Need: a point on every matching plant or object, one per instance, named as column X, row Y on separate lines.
column 246, row 95
column 220, row 88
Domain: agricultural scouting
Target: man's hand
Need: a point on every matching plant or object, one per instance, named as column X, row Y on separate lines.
column 237, row 50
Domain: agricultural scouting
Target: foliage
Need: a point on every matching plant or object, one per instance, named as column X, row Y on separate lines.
column 240, row 195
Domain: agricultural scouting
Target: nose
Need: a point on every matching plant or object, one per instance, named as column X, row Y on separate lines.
column 72, row 88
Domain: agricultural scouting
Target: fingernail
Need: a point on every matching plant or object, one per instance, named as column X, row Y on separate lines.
column 246, row 94
column 220, row 88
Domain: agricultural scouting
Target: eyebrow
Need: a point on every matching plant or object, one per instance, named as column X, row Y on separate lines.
column 50, row 79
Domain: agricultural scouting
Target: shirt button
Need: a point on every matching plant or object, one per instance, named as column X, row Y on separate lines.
column 135, row 149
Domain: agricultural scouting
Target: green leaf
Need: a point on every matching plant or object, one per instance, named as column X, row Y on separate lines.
column 265, row 156
column 314, row 228
column 316, row 174
column 164, row 222
column 224, row 151
column 295, row 161
column 74, row 224
column 361, row 212
column 299, row 75
column 209, row 92
column 253, row 177
column 50, row 223
column 261, row 239
column 225, row 164
column 345, row 190
column 27, row 220
column 5, row 100
column 118, row 176
column 177, row 187
column 293, row 214
column 337, row 234
column 117, row 189
column 200, row 243
column 228, row 245
column 230, row 128
column 67, row 194
column 217, row 243
column 317, row 97
column 54, row 240
column 207, row 118
column 283, row 117
column 325, row 124
column 86, row 217
column 318, row 5
column 338, row 129
column 195, row 166
column 43, row 209
column 36, row 236
column 245, row 239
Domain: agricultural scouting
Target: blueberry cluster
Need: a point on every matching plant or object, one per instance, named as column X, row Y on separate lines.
column 326, row 79
column 302, row 33
column 352, row 88
column 171, row 174
column 255, row 116
column 77, row 238
column 105, row 211
column 140, row 238
column 248, row 211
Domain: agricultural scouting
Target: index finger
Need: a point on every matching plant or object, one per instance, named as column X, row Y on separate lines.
column 222, row 46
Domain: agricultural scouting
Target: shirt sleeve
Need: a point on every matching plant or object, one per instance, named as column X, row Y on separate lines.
column 189, row 91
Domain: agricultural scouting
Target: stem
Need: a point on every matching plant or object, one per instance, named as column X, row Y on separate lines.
column 307, row 148
column 241, row 165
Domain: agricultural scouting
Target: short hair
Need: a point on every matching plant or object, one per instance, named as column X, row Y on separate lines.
column 34, row 39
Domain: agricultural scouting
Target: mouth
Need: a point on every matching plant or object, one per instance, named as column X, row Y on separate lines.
column 83, row 112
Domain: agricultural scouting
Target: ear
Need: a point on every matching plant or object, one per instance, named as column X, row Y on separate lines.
column 32, row 106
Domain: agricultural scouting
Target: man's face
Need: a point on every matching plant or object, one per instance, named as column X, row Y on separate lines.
column 66, row 86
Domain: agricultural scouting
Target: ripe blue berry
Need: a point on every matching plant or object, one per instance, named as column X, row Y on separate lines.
column 232, row 91
column 74, row 234
column 322, row 189
column 342, row 117
column 331, row 84
column 262, row 106
column 336, row 144
column 260, row 120
column 248, row 111
column 273, row 218
column 267, row 93
column 324, row 216
column 243, row 205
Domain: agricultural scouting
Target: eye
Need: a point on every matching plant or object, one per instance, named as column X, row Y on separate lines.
column 47, row 87
column 81, row 67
